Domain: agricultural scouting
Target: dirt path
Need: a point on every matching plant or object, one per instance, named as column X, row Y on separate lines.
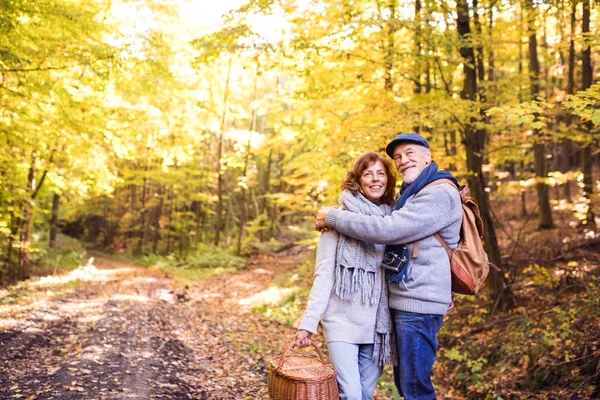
column 115, row 331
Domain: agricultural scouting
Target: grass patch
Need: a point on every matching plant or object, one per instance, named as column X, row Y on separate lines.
column 205, row 262
column 188, row 276
column 68, row 255
column 290, row 308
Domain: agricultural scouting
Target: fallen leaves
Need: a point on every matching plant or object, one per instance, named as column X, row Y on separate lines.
column 128, row 335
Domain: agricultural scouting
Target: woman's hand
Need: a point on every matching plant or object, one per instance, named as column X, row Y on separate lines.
column 320, row 218
column 301, row 339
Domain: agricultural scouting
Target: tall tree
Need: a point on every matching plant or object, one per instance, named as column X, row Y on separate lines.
column 220, row 161
column 539, row 147
column 570, row 89
column 475, row 141
column 586, row 151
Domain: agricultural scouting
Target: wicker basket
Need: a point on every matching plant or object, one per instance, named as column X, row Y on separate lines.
column 302, row 378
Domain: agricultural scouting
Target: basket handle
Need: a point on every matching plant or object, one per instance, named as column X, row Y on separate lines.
column 282, row 358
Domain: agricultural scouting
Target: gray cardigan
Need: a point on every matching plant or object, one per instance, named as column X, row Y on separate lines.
column 437, row 208
column 343, row 320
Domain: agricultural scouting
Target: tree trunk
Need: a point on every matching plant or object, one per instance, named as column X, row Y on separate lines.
column 390, row 46
column 24, row 260
column 539, row 148
column 53, row 221
column 132, row 210
column 267, row 183
column 543, row 191
column 229, row 216
column 170, row 219
column 475, row 149
column 264, row 205
column 106, row 225
column 14, row 230
column 244, row 188
column 28, row 208
column 418, row 45
column 467, row 52
column 588, row 184
column 491, row 55
column 143, row 234
column 586, row 154
column 180, row 229
column 479, row 51
column 219, row 223
column 157, row 217
column 567, row 143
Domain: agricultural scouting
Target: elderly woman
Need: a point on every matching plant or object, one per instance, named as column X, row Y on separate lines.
column 349, row 293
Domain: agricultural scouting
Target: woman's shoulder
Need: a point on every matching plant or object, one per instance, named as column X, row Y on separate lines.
column 329, row 236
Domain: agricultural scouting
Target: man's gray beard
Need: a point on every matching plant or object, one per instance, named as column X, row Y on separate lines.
column 411, row 177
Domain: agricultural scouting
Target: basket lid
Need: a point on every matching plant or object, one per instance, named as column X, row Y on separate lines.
column 301, row 367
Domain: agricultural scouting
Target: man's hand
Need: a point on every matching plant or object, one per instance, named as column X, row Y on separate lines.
column 301, row 339
column 320, row 217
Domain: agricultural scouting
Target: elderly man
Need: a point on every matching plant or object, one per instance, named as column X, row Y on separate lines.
column 418, row 269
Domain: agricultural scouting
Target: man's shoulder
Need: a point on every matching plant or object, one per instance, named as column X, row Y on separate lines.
column 441, row 186
column 439, row 193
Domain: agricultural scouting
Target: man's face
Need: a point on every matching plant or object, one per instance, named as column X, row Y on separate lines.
column 411, row 159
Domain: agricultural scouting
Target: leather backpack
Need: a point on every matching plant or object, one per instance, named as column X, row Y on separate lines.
column 469, row 262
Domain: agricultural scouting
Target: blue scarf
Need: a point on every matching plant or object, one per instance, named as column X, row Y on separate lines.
column 428, row 175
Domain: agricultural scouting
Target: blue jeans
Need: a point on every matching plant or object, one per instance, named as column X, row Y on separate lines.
column 416, row 338
column 357, row 370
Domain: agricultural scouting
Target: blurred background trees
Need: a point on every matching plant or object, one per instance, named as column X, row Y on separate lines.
column 143, row 129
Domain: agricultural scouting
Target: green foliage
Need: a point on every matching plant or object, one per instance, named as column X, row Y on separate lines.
column 539, row 344
column 198, row 265
column 137, row 116
column 211, row 258
column 523, row 114
column 540, row 275
column 584, row 104
column 68, row 255
column 472, row 371
column 204, row 258
column 254, row 229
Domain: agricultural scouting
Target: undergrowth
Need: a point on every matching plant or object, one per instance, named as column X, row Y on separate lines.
column 289, row 309
column 204, row 262
column 547, row 347
column 67, row 255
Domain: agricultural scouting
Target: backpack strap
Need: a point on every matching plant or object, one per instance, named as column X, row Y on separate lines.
column 440, row 182
column 442, row 242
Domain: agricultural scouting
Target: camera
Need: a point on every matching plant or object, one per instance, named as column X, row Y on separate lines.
column 394, row 261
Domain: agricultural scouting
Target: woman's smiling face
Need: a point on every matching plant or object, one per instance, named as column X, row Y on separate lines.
column 373, row 181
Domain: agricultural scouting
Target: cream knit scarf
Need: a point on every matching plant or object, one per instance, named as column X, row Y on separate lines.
column 357, row 261
column 355, row 274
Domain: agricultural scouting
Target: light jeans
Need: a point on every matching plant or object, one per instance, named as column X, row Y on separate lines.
column 357, row 369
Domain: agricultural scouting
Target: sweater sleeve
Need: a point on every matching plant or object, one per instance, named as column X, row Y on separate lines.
column 323, row 283
column 428, row 212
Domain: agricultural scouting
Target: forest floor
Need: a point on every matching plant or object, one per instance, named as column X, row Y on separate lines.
column 111, row 330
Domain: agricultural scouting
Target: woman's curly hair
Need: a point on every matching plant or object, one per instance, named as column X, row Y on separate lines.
column 351, row 181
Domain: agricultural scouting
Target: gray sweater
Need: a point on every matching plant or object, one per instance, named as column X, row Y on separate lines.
column 350, row 321
column 437, row 208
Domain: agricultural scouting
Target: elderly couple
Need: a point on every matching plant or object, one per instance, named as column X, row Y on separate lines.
column 372, row 315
